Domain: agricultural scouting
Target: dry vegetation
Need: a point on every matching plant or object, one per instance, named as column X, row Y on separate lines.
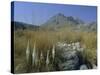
column 46, row 39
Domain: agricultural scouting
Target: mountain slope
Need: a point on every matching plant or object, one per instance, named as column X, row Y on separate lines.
column 60, row 20
column 23, row 26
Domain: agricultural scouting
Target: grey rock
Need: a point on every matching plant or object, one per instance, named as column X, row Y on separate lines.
column 68, row 58
column 83, row 67
column 94, row 66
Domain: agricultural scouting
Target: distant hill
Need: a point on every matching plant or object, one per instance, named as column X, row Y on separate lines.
column 60, row 20
column 23, row 26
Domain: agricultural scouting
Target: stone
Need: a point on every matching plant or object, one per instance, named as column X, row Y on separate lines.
column 94, row 66
column 83, row 67
column 68, row 58
column 77, row 44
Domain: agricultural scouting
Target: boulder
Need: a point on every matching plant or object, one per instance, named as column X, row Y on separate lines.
column 83, row 67
column 94, row 66
column 68, row 58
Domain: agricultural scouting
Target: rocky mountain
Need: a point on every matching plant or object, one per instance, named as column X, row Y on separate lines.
column 60, row 20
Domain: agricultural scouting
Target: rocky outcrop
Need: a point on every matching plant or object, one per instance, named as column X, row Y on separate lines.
column 67, row 55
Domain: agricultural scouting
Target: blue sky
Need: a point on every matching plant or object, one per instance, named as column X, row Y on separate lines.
column 39, row 13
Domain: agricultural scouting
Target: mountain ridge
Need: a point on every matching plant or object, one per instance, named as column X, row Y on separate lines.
column 58, row 21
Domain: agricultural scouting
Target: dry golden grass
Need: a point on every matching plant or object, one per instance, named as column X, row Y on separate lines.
column 46, row 39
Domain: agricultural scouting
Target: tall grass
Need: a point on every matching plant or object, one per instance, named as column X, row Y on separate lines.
column 46, row 39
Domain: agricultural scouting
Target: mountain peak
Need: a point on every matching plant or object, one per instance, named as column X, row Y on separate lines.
column 61, row 20
column 60, row 15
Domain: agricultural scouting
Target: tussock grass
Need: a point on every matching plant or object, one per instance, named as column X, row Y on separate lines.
column 46, row 39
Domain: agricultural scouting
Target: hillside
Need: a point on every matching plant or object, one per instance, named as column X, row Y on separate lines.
column 23, row 26
column 60, row 21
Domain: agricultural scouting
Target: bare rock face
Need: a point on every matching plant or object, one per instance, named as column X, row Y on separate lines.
column 71, row 60
column 67, row 56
